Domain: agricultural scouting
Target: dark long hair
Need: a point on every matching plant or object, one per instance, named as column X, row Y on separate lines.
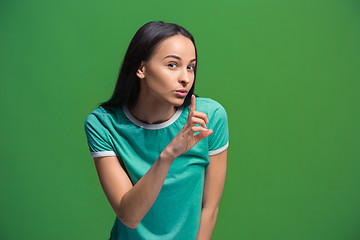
column 141, row 47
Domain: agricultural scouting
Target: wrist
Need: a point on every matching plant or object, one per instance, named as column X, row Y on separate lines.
column 167, row 155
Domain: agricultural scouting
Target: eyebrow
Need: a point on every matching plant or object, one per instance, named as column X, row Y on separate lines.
column 177, row 57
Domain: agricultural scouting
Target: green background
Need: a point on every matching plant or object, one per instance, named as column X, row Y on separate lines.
column 287, row 72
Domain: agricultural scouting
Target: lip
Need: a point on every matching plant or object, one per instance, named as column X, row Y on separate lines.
column 181, row 92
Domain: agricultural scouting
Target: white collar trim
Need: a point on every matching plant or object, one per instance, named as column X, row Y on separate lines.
column 152, row 126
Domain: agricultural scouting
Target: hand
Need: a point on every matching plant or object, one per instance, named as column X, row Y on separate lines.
column 185, row 139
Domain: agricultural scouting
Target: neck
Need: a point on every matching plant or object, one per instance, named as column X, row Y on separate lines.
column 151, row 110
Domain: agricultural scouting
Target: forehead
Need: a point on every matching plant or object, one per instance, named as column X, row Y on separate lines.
column 176, row 45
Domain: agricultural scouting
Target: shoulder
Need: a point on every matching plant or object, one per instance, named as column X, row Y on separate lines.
column 218, row 122
column 100, row 115
column 209, row 106
column 95, row 115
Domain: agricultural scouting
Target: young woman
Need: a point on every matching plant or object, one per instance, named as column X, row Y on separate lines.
column 159, row 151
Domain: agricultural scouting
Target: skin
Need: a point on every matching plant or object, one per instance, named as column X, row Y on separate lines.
column 171, row 67
column 157, row 102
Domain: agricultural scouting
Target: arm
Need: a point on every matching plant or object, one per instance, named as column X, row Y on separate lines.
column 213, row 188
column 131, row 203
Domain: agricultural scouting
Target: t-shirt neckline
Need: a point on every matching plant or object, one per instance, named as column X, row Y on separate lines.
column 152, row 126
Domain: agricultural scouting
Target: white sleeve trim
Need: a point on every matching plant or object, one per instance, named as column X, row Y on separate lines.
column 103, row 154
column 214, row 152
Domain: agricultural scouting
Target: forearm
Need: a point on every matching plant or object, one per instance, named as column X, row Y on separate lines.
column 139, row 199
column 207, row 223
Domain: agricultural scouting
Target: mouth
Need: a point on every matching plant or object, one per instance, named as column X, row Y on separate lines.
column 181, row 92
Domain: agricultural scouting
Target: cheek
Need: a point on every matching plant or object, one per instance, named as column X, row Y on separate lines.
column 160, row 82
column 192, row 77
column 162, row 77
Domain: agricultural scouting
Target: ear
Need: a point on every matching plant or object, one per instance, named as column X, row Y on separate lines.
column 141, row 71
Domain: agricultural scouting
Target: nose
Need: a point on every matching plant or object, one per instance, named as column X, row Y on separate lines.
column 185, row 77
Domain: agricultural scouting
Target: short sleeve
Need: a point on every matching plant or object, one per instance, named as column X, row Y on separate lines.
column 219, row 139
column 97, row 137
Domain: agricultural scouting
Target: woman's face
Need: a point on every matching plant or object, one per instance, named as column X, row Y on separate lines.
column 169, row 74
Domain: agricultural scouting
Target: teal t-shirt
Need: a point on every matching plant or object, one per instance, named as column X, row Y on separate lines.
column 176, row 212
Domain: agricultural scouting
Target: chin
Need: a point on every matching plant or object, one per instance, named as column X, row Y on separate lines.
column 178, row 102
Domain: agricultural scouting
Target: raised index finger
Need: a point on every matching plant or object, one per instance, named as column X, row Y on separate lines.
column 192, row 104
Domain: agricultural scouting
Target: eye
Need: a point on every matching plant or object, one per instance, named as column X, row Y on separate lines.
column 191, row 68
column 172, row 65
